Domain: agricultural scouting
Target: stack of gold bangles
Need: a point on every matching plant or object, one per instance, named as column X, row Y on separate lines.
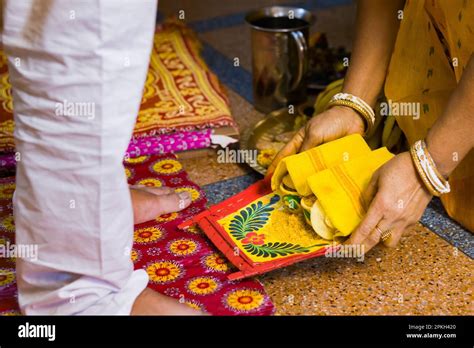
column 432, row 178
column 358, row 105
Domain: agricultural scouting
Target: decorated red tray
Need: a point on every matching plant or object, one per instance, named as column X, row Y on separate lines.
column 255, row 231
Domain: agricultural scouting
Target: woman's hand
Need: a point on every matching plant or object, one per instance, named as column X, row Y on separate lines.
column 331, row 124
column 397, row 199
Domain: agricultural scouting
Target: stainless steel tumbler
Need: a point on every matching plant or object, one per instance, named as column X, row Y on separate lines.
column 279, row 55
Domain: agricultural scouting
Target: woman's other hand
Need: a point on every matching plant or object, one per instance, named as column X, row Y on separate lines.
column 397, row 199
column 331, row 124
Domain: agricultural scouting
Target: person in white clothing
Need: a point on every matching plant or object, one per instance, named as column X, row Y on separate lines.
column 72, row 199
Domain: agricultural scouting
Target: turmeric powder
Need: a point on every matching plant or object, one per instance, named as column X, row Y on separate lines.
column 292, row 228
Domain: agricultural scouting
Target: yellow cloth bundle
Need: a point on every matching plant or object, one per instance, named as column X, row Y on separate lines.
column 303, row 165
column 339, row 190
column 337, row 173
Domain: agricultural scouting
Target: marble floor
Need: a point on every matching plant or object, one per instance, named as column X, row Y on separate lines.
column 431, row 270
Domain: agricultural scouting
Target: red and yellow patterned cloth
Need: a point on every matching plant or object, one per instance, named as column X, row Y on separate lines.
column 181, row 94
column 6, row 108
column 180, row 264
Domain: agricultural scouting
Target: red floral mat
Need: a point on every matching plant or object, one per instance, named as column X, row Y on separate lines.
column 180, row 264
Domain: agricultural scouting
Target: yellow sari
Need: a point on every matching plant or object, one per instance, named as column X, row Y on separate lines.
column 434, row 45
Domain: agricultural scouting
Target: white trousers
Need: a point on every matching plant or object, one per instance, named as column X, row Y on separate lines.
column 77, row 70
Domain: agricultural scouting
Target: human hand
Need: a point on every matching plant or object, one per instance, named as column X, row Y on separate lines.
column 150, row 202
column 331, row 124
column 397, row 198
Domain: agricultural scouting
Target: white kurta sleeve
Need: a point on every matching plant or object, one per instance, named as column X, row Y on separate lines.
column 77, row 70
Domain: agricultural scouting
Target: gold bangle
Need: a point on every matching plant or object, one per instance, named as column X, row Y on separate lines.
column 440, row 185
column 361, row 111
column 433, row 165
column 422, row 174
column 360, row 102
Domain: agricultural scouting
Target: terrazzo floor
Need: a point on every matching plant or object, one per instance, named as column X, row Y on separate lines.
column 431, row 270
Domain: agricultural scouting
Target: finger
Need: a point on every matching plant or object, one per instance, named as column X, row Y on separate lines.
column 313, row 139
column 372, row 240
column 155, row 190
column 292, row 147
column 375, row 237
column 385, row 225
column 369, row 193
column 371, row 219
column 184, row 200
column 172, row 202
column 397, row 234
column 394, row 238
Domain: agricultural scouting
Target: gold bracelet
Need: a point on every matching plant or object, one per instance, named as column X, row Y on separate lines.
column 433, row 165
column 367, row 112
column 361, row 111
column 440, row 185
column 355, row 99
column 421, row 173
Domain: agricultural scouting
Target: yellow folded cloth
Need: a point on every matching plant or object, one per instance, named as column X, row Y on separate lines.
column 301, row 166
column 339, row 190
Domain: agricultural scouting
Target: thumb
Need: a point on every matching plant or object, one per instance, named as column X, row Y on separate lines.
column 371, row 190
column 292, row 147
column 314, row 138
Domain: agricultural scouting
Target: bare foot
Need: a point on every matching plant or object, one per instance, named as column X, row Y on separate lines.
column 150, row 202
column 150, row 302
